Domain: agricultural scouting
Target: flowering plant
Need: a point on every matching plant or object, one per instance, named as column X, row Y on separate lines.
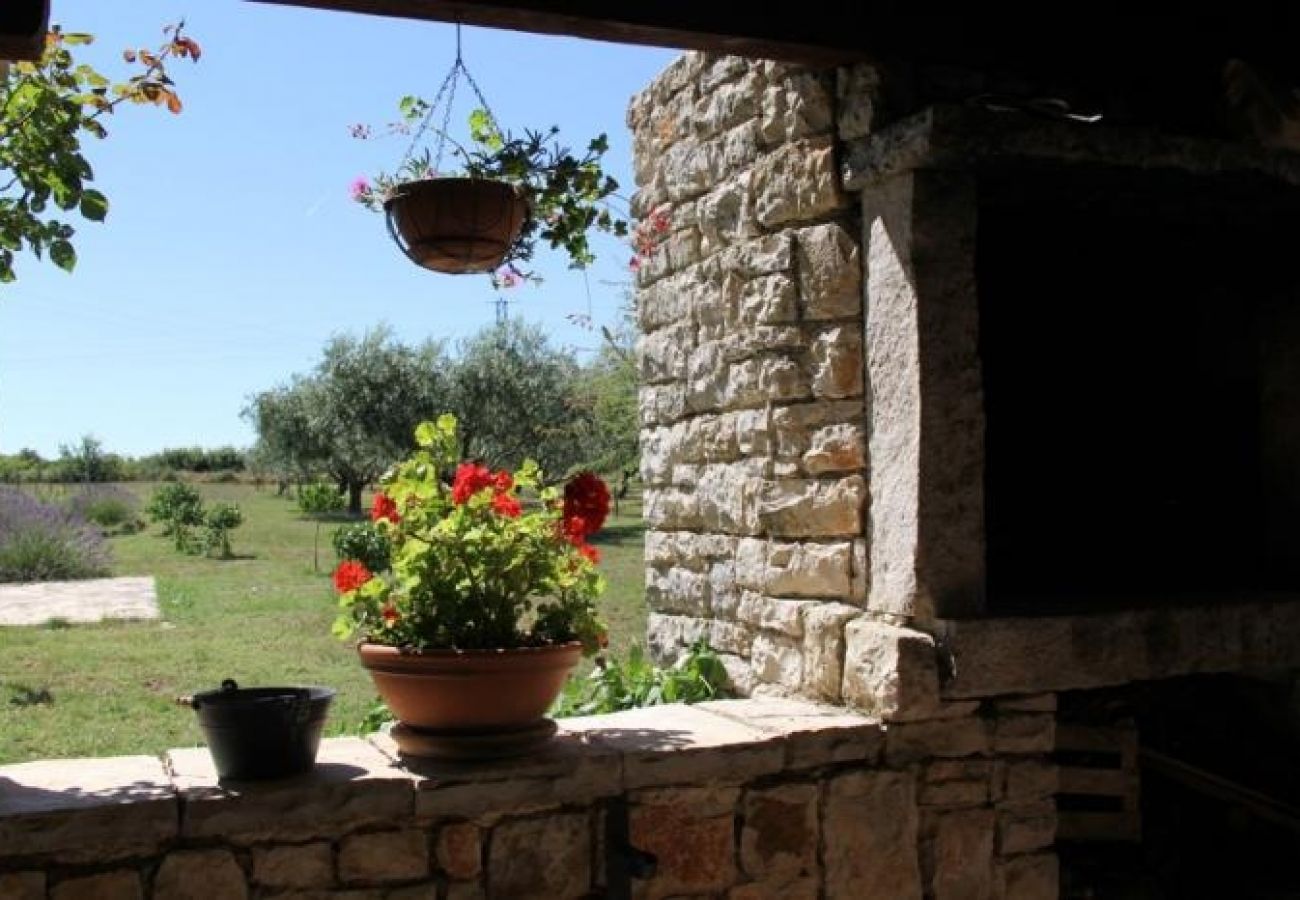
column 471, row 567
column 566, row 194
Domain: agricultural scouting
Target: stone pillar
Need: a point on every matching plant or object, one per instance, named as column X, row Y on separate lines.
column 925, row 402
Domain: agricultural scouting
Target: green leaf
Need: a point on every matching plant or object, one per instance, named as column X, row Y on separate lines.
column 94, row 206
column 63, row 256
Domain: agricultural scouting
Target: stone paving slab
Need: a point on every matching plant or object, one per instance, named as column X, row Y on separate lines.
column 78, row 602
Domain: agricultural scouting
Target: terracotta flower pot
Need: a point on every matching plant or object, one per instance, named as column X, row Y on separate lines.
column 456, row 225
column 470, row 690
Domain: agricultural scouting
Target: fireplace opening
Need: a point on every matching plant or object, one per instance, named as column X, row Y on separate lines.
column 1217, row 801
column 1140, row 345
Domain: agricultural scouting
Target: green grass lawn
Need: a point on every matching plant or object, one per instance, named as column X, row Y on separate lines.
column 262, row 619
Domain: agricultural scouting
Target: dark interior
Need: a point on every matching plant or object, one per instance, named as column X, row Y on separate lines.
column 1143, row 409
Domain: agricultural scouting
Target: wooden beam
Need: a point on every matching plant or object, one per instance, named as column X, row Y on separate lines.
column 22, row 28
column 814, row 37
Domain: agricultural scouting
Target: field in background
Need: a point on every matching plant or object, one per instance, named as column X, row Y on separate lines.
column 262, row 619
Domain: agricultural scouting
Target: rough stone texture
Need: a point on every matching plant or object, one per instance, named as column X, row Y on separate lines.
column 797, row 183
column 76, row 810
column 1024, row 734
column 22, row 885
column 813, row 734
column 1032, row 877
column 460, row 850
column 545, row 858
column 778, row 842
column 962, row 856
column 927, row 439
column 807, row 508
column 382, row 857
column 302, row 866
column 693, row 843
column 352, row 785
column 870, row 835
column 908, row 742
column 1023, row 827
column 124, row 884
column 889, row 671
column 200, row 875
column 1058, row 653
column 824, row 649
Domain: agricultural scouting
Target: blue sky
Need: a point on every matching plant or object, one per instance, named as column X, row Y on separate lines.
column 232, row 251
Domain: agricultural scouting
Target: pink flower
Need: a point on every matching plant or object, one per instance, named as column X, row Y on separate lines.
column 359, row 189
column 634, row 263
column 506, row 277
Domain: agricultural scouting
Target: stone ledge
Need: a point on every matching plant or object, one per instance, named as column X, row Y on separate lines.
column 990, row 657
column 96, row 810
column 956, row 137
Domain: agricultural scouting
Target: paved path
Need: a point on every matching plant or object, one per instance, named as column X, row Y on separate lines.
column 78, row 601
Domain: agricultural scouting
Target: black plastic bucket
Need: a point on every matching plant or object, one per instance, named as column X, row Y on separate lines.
column 269, row 732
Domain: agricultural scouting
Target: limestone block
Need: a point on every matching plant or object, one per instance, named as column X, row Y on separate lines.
column 656, row 456
column 681, row 74
column 726, row 215
column 778, row 660
column 384, row 856
column 836, row 448
column 727, row 499
column 958, row 770
column 679, row 251
column 459, row 850
column 661, row 404
column 1027, row 703
column 714, row 307
column 22, row 885
column 908, row 742
column 462, row 890
column 779, row 378
column 1025, row 734
column 837, row 363
column 950, row 794
column 295, row 866
column 861, row 588
column 1031, row 779
column 751, row 563
column 1026, row 826
column 352, row 786
column 740, row 676
column 808, row 569
column 544, row 858
column 670, row 508
column 86, row 810
column 797, row 183
column 678, row 744
column 772, row 614
column 962, row 856
column 200, row 875
column 123, row 884
column 830, row 272
column 718, row 70
column 668, row 302
column 728, row 105
column 769, row 300
column 803, row 889
column 778, row 841
column 690, row 165
column 677, row 590
column 813, row 508
column 743, row 343
column 824, row 648
column 798, row 104
column 890, row 671
column 728, row 637
column 693, row 845
column 724, row 595
column 856, row 88
column 428, row 891
column 1032, row 877
column 753, row 431
column 762, row 256
column 869, row 829
column 666, row 635
column 662, row 355
column 815, row 734
column 706, row 377
column 737, row 148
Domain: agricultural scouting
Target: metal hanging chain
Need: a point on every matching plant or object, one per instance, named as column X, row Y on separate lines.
column 448, row 90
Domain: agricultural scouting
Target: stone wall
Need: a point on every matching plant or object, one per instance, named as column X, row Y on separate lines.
column 752, row 405
column 742, row 799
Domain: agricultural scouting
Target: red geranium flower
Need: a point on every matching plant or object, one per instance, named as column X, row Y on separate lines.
column 384, row 508
column 390, row 614
column 586, row 504
column 590, row 552
column 350, row 575
column 503, row 481
column 470, row 479
column 505, row 504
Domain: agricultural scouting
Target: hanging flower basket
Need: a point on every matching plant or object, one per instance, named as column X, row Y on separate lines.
column 23, row 24
column 456, row 225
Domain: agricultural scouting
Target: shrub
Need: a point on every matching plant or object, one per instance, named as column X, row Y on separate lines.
column 616, row 684
column 220, row 520
column 108, row 506
column 43, row 542
column 364, row 543
column 179, row 508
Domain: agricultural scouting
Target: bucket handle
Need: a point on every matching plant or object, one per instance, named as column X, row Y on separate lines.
column 227, row 686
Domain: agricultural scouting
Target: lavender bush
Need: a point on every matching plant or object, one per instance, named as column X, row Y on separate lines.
column 43, row 542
